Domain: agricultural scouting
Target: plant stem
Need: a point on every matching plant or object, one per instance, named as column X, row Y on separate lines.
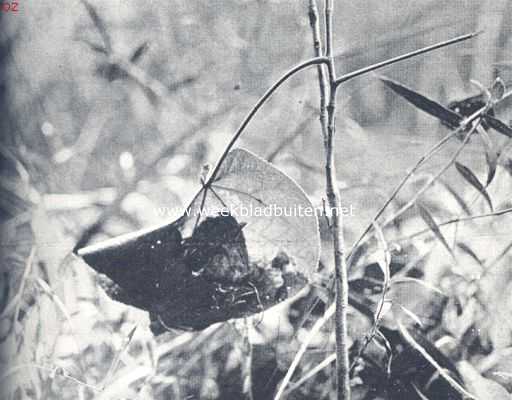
column 469, row 120
column 455, row 221
column 263, row 99
column 402, row 57
column 433, row 179
column 322, row 79
column 333, row 198
column 424, row 158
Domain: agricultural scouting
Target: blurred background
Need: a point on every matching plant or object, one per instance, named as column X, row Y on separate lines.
column 109, row 110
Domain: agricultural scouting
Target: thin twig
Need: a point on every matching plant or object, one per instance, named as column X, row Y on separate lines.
column 382, row 301
column 402, row 57
column 434, row 178
column 322, row 79
column 469, row 120
column 424, row 158
column 454, row 221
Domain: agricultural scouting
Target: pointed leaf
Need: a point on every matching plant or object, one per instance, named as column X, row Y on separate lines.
column 499, row 126
column 491, row 157
column 466, row 249
column 471, row 178
column 139, row 52
column 425, row 104
column 431, row 223
column 99, row 24
column 98, row 48
column 384, row 260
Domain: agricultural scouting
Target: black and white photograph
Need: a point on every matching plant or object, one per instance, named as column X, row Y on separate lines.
column 255, row 200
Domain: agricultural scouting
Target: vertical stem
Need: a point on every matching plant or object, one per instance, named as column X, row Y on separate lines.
column 247, row 362
column 322, row 79
column 328, row 121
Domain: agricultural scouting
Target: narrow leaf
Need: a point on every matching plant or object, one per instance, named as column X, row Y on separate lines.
column 99, row 24
column 466, row 249
column 98, row 48
column 431, row 223
column 385, row 260
column 425, row 104
column 471, row 178
column 491, row 157
column 499, row 126
column 139, row 52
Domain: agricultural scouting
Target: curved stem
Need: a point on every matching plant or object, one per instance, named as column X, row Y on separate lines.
column 263, row 99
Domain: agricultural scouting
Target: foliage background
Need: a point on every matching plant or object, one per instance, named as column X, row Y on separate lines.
column 82, row 131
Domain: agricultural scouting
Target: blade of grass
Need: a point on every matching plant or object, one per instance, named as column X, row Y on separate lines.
column 452, row 382
column 303, row 348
